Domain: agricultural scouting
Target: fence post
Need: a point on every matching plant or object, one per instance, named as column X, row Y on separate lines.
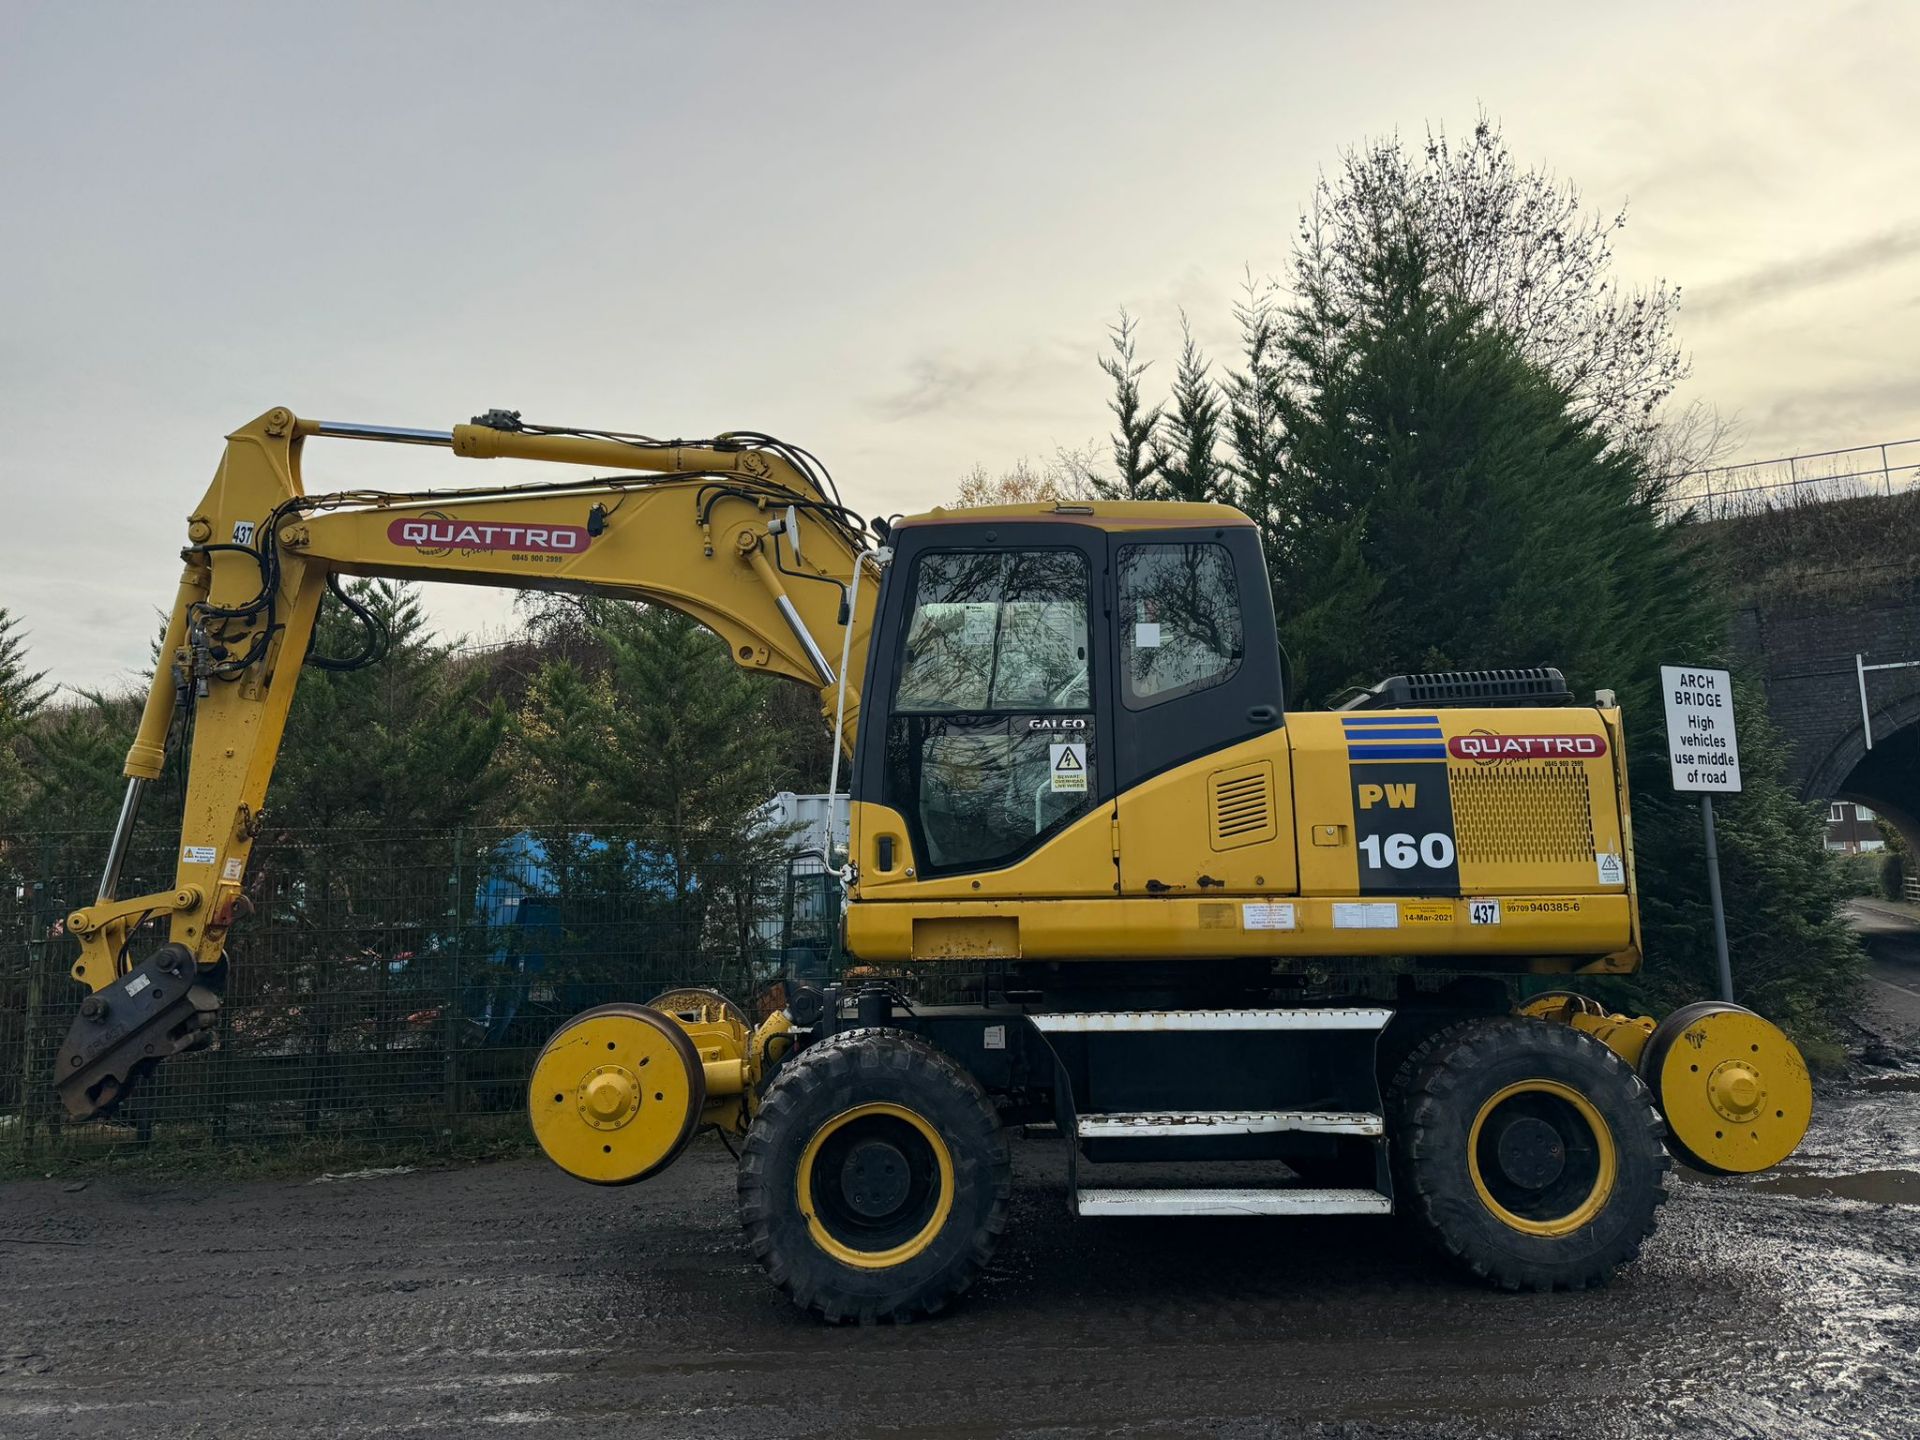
column 39, row 911
column 29, row 1023
column 450, row 1002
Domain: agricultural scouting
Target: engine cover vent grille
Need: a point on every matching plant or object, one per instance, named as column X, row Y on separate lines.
column 1536, row 685
column 1241, row 805
column 1522, row 811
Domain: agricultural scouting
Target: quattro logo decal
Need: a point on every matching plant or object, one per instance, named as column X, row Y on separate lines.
column 443, row 534
column 1486, row 748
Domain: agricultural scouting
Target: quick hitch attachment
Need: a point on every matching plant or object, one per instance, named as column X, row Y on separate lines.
column 158, row 1009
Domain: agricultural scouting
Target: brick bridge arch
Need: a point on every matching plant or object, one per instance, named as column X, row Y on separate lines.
column 1803, row 648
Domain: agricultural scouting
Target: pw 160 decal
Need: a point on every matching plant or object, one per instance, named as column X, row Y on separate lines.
column 1402, row 804
column 441, row 535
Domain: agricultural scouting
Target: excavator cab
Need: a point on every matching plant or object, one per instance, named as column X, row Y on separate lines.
column 1035, row 662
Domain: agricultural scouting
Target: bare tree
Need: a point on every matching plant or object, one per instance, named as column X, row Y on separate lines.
column 1686, row 441
column 1064, row 478
column 1523, row 247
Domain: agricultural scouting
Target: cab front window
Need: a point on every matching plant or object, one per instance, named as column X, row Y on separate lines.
column 991, row 738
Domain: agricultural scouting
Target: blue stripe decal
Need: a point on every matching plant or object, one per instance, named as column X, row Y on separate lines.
column 1419, row 732
column 1352, row 720
column 1396, row 752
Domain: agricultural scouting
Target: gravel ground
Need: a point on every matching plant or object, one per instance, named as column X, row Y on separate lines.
column 506, row 1296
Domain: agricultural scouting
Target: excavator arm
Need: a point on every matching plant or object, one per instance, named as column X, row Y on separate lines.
column 742, row 532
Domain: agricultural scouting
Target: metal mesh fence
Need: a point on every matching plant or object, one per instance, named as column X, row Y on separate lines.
column 395, row 986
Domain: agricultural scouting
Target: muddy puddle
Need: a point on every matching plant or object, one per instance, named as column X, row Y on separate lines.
column 1879, row 1187
column 1905, row 1084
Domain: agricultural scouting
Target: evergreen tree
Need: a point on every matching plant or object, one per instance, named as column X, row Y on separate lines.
column 687, row 752
column 76, row 749
column 62, row 784
column 404, row 742
column 1253, row 397
column 22, row 692
column 561, row 734
column 671, row 753
column 1134, row 462
column 1454, row 510
column 1188, row 461
column 1415, row 437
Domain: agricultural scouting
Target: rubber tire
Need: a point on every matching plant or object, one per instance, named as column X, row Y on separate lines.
column 1447, row 1081
column 856, row 1068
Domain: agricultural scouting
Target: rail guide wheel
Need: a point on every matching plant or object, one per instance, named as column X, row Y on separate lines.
column 616, row 1094
column 1733, row 1088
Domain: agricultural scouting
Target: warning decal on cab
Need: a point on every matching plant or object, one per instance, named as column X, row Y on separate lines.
column 1067, row 763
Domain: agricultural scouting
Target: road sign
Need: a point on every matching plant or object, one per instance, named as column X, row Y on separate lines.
column 1700, row 741
column 1706, row 761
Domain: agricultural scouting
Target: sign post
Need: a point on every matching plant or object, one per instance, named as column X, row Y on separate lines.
column 1705, row 756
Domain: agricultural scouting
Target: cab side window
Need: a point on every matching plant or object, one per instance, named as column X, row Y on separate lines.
column 1179, row 621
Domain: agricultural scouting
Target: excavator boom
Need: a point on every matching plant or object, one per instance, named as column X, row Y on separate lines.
column 711, row 528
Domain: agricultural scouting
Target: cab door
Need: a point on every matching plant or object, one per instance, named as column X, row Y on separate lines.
column 1203, row 775
column 991, row 656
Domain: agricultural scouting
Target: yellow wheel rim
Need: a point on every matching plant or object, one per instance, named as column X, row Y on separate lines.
column 615, row 1094
column 1734, row 1089
column 1542, row 1158
column 875, row 1185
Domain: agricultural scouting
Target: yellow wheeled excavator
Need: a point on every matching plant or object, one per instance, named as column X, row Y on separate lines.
column 1248, row 962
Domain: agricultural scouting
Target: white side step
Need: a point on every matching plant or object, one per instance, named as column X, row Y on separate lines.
column 1328, row 1017
column 1159, row 1125
column 1233, row 1202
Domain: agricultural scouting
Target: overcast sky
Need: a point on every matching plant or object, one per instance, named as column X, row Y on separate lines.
column 891, row 232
